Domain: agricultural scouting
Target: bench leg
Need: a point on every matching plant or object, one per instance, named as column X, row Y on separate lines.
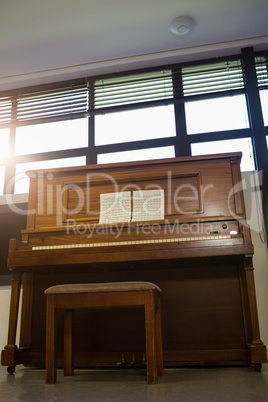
column 51, row 342
column 150, row 330
column 159, row 346
column 68, row 342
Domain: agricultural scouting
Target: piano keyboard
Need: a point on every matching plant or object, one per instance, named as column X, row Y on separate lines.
column 132, row 242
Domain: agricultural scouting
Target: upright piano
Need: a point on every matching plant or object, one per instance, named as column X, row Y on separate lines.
column 178, row 222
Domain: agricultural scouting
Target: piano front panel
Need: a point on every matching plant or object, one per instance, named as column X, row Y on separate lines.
column 201, row 313
column 183, row 195
column 193, row 190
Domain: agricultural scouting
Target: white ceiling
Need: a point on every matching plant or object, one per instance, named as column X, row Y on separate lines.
column 41, row 41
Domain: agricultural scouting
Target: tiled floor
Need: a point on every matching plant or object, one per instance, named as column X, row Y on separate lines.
column 232, row 384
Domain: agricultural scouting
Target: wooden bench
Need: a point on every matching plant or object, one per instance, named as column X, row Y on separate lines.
column 80, row 296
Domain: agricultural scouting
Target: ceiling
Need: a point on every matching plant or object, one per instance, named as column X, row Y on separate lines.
column 42, row 41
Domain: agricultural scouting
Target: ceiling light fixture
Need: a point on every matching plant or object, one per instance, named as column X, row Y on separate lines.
column 182, row 26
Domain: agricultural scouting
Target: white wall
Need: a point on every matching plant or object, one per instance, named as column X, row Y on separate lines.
column 252, row 198
column 4, row 313
column 260, row 259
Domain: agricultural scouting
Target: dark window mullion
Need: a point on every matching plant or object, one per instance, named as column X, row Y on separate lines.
column 130, row 106
column 220, row 135
column 254, row 108
column 50, row 119
column 45, row 156
column 135, row 145
column 258, row 130
column 91, row 156
column 182, row 146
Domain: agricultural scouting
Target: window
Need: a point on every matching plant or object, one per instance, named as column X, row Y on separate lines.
column 122, row 92
column 219, row 114
column 4, row 144
column 2, row 176
column 54, row 136
column 5, row 109
column 262, row 77
column 67, row 100
column 264, row 104
column 135, row 125
column 178, row 110
column 217, row 77
column 22, row 180
column 243, row 145
column 4, row 151
column 137, row 155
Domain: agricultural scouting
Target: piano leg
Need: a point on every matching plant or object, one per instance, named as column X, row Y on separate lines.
column 257, row 350
column 8, row 357
column 26, row 310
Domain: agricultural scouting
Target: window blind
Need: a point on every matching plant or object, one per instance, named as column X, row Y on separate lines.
column 216, row 77
column 132, row 89
column 123, row 92
column 261, row 64
column 166, row 86
column 5, row 110
column 71, row 100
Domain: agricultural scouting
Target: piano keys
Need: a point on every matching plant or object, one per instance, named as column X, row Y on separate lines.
column 199, row 252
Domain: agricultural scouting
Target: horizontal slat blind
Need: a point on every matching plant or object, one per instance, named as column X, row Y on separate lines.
column 149, row 87
column 262, row 71
column 124, row 92
column 62, row 101
column 5, row 110
column 129, row 90
column 202, row 79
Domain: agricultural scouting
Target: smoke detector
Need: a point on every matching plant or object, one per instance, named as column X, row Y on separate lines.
column 182, row 26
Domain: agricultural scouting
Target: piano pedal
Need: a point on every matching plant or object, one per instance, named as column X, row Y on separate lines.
column 123, row 360
column 133, row 360
column 144, row 358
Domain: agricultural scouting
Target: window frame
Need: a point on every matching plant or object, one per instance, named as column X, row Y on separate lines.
column 182, row 142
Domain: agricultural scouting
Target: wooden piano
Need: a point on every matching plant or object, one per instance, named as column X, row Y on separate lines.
column 192, row 241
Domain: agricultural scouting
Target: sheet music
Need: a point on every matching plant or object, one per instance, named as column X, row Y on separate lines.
column 115, row 207
column 148, row 205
